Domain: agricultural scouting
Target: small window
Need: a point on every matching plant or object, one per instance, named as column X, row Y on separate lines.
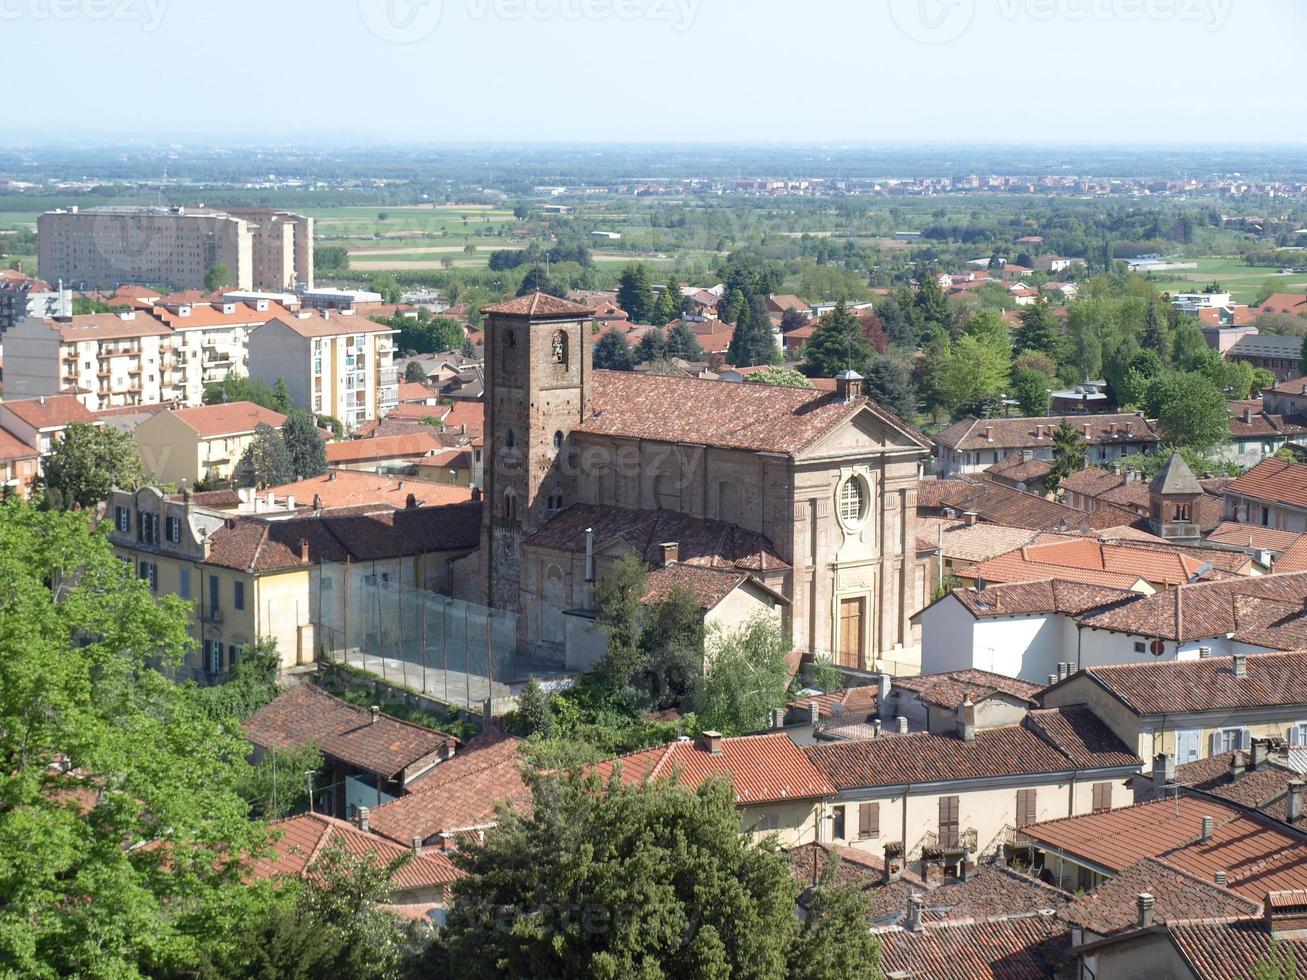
column 509, row 439
column 837, row 825
column 149, row 571
column 173, row 529
column 238, row 595
column 769, row 823
column 852, row 501
column 558, row 440
column 184, row 583
column 868, row 820
column 1102, row 801
column 1141, row 646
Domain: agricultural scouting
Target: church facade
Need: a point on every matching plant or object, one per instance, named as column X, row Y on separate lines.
column 810, row 494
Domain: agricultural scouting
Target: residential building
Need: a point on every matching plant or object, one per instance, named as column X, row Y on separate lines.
column 972, row 445
column 281, row 245
column 348, row 488
column 187, row 445
column 1280, row 355
column 382, row 453
column 1021, row 471
column 39, row 422
column 1272, row 494
column 1191, row 304
column 1295, row 303
column 264, row 576
column 812, row 491
column 777, row 789
column 331, row 298
column 930, row 702
column 1194, row 709
column 102, row 247
column 1256, row 433
column 993, row 503
column 1287, row 398
column 333, row 363
column 960, row 544
column 938, row 802
column 369, row 757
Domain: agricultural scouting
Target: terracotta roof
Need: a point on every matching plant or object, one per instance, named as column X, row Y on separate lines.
column 458, row 794
column 1225, row 949
column 108, row 326
column 1121, row 564
column 1253, row 536
column 999, row 504
column 210, row 314
column 11, row 447
column 708, row 586
column 329, row 323
column 1092, row 481
column 761, row 768
column 1027, row 947
column 1079, row 735
column 354, row 488
column 51, row 412
column 1256, row 854
column 301, row 841
column 383, row 447
column 1168, row 687
column 700, row 542
column 951, row 688
column 416, row 391
column 233, row 418
column 540, row 305
column 1275, row 481
column 1112, row 907
column 760, row 418
column 1293, row 386
column 1263, row 611
column 1255, row 788
column 1013, row 750
column 308, row 715
column 1020, row 470
column 975, row 543
column 1294, row 558
column 1037, row 598
column 1009, row 434
column 850, row 701
column 1284, row 303
column 261, row 545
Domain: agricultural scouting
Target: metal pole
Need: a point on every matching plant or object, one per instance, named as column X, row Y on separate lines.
column 308, row 785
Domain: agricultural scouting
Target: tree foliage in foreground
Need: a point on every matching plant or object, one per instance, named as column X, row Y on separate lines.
column 87, row 461
column 651, row 881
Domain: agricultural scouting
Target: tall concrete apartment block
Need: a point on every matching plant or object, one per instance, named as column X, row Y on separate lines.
column 175, row 247
column 283, row 247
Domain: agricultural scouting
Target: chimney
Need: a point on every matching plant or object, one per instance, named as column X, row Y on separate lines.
column 417, row 846
column 1129, row 428
column 903, row 725
column 1063, row 671
column 969, row 518
column 1208, row 825
column 476, row 495
column 1111, row 428
column 777, row 718
column 848, row 385
column 1247, row 416
column 304, row 551
column 671, row 553
column 290, row 501
column 914, row 913
column 1039, row 432
column 989, row 433
column 1145, row 903
column 893, row 871
column 1296, row 790
column 363, row 819
column 1261, row 753
column 1285, row 914
column 1238, row 765
column 1052, row 679
column 711, row 742
column 331, row 477
column 884, row 690
column 814, row 712
column 376, row 714
column 317, row 501
column 1163, row 770
column 1221, row 878
column 411, row 502
column 967, row 721
column 1089, row 429
column 1240, row 665
column 446, row 840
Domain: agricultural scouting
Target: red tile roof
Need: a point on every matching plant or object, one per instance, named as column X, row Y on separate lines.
column 1275, row 481
column 1038, row 598
column 329, row 323
column 11, row 447
column 51, row 412
column 850, row 701
column 761, row 768
column 353, row 488
column 759, row 418
column 383, row 447
column 1112, row 907
column 1225, row 949
column 1252, row 536
column 999, row 504
column 1027, row 947
column 1284, row 303
column 708, row 586
column 233, row 418
column 108, row 326
column 951, row 688
column 301, row 841
column 1119, row 564
column 1255, row 788
column 540, row 305
column 1010, row 434
column 459, row 794
column 308, row 715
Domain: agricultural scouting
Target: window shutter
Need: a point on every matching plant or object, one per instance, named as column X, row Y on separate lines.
column 868, row 820
column 1246, row 739
column 1214, row 744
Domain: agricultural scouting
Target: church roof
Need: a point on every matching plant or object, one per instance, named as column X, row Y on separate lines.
column 702, row 543
column 1176, row 477
column 757, row 418
column 538, row 305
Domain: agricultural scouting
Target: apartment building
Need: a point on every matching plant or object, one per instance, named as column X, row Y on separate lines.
column 334, row 362
column 282, row 247
column 972, row 445
column 101, row 248
column 204, row 443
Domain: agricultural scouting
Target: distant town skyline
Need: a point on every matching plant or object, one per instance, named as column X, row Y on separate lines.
column 1092, row 72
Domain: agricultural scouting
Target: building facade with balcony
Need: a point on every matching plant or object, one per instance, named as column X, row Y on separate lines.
column 185, row 446
column 333, row 362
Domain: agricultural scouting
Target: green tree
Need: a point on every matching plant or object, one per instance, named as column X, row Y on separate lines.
column 666, row 308
column 1157, row 330
column 85, row 462
column 217, row 277
column 929, row 375
column 304, row 444
column 930, row 310
column 1190, row 410
column 1070, row 452
column 612, row 352
column 784, row 377
column 414, row 371
column 834, row 942
column 330, row 260
column 266, row 461
column 837, row 344
column 1031, row 389
column 101, row 754
column 752, row 342
column 888, row 383
column 622, row 881
column 635, row 293
column 746, row 675
column 682, row 343
column 974, row 375
column 281, row 397
column 1038, row 331
column 534, row 715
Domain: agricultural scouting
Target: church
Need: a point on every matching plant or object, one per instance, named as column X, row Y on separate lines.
column 804, row 499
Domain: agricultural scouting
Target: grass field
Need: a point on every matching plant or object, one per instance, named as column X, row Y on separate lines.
column 1244, row 282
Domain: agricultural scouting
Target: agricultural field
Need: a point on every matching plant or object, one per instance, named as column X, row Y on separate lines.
column 1244, row 282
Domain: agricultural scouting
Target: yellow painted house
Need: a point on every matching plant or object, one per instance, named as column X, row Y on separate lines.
column 184, row 446
column 251, row 577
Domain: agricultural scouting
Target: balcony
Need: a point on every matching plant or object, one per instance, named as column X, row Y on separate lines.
column 935, row 845
column 209, row 615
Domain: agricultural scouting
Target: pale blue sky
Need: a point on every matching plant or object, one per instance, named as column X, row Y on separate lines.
column 1099, row 71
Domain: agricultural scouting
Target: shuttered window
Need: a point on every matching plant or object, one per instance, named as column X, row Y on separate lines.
column 837, row 828
column 868, row 820
column 1102, row 797
column 1025, row 807
column 948, row 821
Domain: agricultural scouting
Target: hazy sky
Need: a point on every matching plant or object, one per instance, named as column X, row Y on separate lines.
column 1118, row 71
